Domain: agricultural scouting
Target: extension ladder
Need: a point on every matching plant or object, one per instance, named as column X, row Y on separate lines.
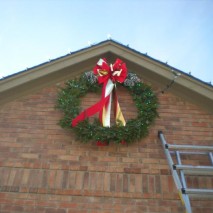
column 179, row 170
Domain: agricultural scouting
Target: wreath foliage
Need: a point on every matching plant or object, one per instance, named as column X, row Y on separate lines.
column 69, row 100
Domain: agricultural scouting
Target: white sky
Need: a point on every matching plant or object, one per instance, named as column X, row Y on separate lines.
column 177, row 31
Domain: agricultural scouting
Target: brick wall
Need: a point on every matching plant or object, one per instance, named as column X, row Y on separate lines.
column 44, row 169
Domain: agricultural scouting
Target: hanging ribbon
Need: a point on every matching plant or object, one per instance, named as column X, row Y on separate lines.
column 108, row 76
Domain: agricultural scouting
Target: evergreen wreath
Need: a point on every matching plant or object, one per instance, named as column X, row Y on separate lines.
column 69, row 99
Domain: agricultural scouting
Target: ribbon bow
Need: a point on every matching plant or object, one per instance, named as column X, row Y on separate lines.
column 108, row 75
column 116, row 72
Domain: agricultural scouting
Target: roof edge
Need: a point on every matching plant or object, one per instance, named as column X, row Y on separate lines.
column 103, row 42
column 69, row 63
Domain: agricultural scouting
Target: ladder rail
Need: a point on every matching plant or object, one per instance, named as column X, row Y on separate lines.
column 211, row 157
column 171, row 164
column 183, row 197
column 182, row 175
column 181, row 172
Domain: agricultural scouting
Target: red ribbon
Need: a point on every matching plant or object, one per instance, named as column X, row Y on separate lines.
column 116, row 73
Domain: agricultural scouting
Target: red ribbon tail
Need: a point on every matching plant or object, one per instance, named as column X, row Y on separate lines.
column 89, row 111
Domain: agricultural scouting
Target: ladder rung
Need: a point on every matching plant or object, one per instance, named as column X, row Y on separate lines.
column 172, row 146
column 206, row 192
column 190, row 153
column 201, row 170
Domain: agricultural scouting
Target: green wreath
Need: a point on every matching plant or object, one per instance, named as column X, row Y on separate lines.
column 69, row 100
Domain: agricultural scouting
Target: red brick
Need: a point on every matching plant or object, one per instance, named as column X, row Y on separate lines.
column 106, row 182
column 72, row 179
column 68, row 158
column 51, row 178
column 112, row 182
column 5, row 172
column 68, row 205
column 99, row 182
column 108, row 159
column 151, row 179
column 132, row 170
column 132, row 183
column 93, row 177
column 145, row 183
column 59, row 179
column 11, row 177
column 77, row 211
column 51, row 210
column 44, row 169
column 30, row 155
column 119, row 183
column 12, row 208
column 79, row 180
column 125, row 183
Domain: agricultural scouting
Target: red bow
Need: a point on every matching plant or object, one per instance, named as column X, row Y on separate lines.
column 107, row 75
column 116, row 72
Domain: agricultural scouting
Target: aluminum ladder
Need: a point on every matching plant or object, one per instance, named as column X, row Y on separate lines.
column 179, row 170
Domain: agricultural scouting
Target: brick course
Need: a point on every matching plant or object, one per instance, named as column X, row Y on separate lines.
column 44, row 169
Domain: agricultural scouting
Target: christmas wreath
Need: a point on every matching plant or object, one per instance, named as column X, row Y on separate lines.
column 100, row 130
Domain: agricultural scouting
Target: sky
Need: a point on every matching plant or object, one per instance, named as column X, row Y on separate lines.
column 179, row 32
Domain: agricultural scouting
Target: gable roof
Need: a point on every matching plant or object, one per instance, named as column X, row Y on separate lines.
column 70, row 65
